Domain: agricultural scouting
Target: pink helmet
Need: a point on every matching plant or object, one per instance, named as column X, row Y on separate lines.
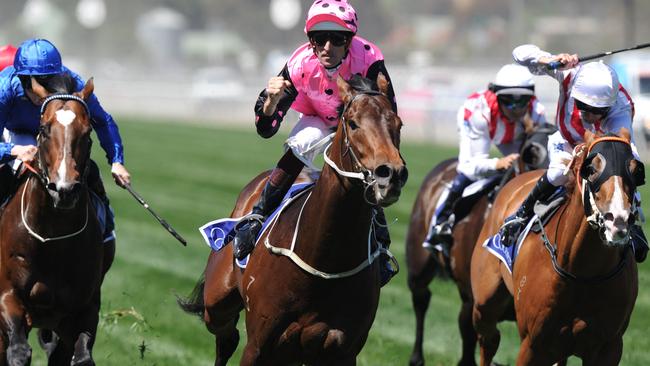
column 331, row 15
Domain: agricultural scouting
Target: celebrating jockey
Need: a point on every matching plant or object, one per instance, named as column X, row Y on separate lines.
column 7, row 54
column 307, row 83
column 591, row 98
column 499, row 115
column 20, row 116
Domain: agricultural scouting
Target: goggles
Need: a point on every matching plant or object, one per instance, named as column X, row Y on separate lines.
column 320, row 38
column 511, row 101
column 601, row 111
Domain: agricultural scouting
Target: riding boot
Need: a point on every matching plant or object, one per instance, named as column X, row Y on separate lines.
column 96, row 185
column 639, row 243
column 7, row 182
column 439, row 237
column 515, row 223
column 387, row 267
column 279, row 183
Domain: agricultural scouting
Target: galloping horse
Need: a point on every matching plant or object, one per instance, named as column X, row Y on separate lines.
column 315, row 303
column 52, row 259
column 423, row 266
column 575, row 283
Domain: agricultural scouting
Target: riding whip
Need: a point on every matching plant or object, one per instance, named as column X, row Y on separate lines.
column 160, row 219
column 556, row 64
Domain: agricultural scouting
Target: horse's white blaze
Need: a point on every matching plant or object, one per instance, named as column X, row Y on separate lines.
column 618, row 211
column 65, row 117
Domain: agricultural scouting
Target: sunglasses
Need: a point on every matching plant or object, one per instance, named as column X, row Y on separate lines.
column 511, row 101
column 337, row 39
column 601, row 111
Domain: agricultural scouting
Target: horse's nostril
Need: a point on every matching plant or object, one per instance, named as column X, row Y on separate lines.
column 383, row 171
column 404, row 176
column 52, row 187
column 608, row 216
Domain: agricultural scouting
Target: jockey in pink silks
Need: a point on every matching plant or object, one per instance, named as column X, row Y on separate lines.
column 307, row 83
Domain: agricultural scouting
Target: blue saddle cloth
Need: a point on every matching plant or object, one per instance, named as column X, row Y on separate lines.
column 507, row 254
column 218, row 233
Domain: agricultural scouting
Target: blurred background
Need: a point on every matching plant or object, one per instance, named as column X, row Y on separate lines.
column 206, row 60
column 200, row 64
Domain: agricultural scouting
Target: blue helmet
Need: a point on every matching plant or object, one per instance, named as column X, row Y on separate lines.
column 37, row 57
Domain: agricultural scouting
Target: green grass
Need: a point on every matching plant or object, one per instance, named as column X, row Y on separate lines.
column 192, row 174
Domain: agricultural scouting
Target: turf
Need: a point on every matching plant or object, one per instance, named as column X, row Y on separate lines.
column 191, row 174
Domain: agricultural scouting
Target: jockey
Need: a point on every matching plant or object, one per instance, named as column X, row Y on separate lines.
column 20, row 117
column 499, row 115
column 7, row 54
column 591, row 98
column 307, row 83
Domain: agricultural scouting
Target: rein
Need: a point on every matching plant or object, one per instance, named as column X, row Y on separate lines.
column 36, row 235
column 291, row 254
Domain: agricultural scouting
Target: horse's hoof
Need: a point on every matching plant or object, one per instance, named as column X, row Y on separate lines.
column 416, row 361
column 85, row 360
column 19, row 355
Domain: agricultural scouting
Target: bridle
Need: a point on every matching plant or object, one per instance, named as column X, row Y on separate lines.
column 42, row 172
column 360, row 172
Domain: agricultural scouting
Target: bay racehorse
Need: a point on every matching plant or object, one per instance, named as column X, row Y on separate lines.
column 574, row 284
column 313, row 304
column 52, row 259
column 423, row 265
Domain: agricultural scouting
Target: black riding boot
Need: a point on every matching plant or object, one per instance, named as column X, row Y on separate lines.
column 96, row 185
column 248, row 228
column 387, row 267
column 7, row 182
column 515, row 223
column 439, row 237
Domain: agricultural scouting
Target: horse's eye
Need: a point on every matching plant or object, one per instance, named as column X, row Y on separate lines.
column 353, row 125
column 44, row 130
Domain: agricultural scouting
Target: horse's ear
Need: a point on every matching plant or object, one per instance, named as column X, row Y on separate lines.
column 88, row 89
column 624, row 133
column 345, row 90
column 382, row 83
column 38, row 89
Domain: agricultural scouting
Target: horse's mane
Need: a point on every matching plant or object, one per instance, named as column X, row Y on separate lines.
column 362, row 85
column 61, row 84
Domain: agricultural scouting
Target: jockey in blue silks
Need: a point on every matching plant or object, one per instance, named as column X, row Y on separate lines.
column 20, row 116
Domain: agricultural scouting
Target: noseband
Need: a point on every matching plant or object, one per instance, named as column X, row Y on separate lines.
column 362, row 173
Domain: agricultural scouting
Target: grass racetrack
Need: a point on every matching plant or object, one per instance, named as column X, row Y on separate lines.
column 192, row 174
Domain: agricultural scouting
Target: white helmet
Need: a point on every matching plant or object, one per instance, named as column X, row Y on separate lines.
column 596, row 84
column 514, row 79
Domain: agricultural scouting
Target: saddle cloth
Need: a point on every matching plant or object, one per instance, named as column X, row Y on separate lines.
column 218, row 233
column 544, row 211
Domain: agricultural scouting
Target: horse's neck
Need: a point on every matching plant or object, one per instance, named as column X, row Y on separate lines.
column 338, row 219
column 580, row 248
column 36, row 204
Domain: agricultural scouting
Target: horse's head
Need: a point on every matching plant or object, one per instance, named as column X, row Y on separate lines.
column 534, row 152
column 610, row 175
column 64, row 142
column 370, row 133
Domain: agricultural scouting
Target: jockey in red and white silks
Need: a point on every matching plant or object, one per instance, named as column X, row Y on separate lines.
column 500, row 115
column 481, row 124
column 591, row 98
column 576, row 84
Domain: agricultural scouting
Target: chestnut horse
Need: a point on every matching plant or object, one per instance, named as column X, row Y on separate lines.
column 52, row 259
column 423, row 266
column 575, row 283
column 313, row 304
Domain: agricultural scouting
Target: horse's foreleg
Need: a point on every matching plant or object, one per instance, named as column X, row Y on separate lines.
column 420, row 297
column 77, row 337
column 609, row 354
column 15, row 329
column 467, row 333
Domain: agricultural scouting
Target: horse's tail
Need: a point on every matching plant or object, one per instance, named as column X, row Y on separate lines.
column 193, row 304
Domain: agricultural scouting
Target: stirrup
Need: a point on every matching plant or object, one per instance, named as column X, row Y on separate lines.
column 244, row 241
column 511, row 229
column 243, row 223
column 389, row 267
